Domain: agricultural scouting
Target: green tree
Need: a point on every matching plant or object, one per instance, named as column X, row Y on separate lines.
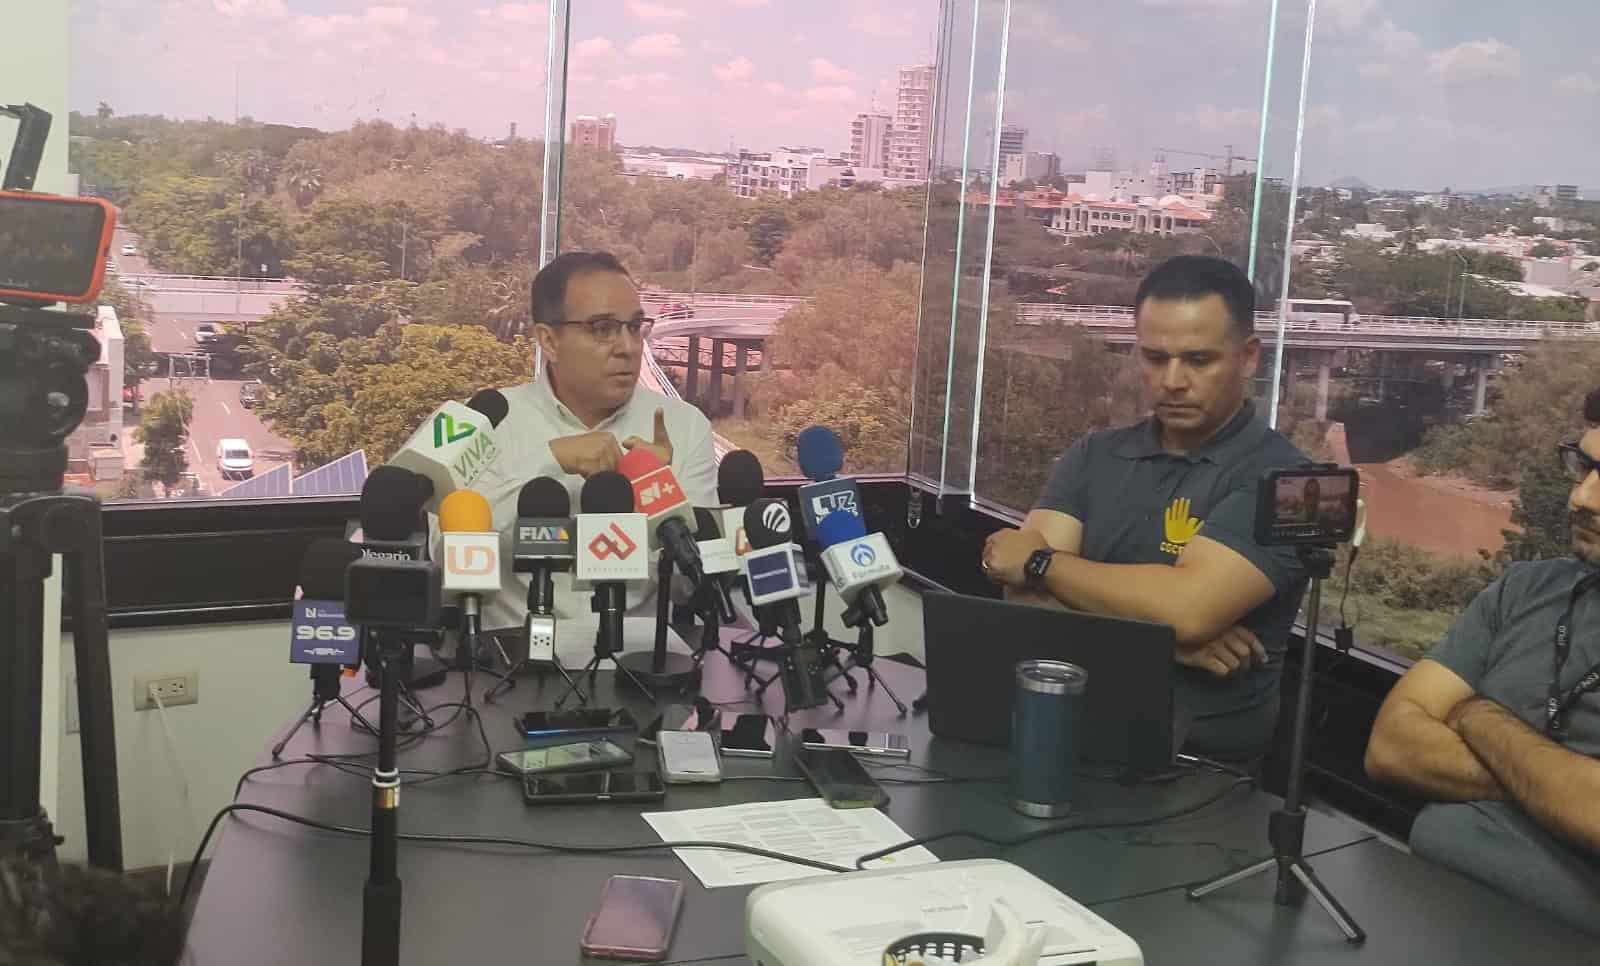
column 1544, row 249
column 138, row 359
column 163, row 430
column 768, row 228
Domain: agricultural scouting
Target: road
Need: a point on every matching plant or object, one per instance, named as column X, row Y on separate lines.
column 218, row 415
column 217, row 412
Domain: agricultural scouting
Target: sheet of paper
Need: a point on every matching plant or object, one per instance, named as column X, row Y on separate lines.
column 807, row 827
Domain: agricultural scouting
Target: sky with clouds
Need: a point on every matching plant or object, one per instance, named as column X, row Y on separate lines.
column 1402, row 93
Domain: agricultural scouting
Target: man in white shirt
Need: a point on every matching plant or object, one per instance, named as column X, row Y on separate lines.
column 584, row 411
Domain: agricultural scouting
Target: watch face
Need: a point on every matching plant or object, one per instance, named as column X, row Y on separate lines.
column 1039, row 562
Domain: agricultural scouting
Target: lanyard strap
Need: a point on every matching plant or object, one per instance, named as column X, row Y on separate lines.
column 1559, row 701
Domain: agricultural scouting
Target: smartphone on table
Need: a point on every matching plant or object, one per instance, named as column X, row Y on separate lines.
column 635, row 918
column 841, row 780
column 572, row 756
column 593, row 787
column 882, row 744
column 752, row 736
column 576, row 723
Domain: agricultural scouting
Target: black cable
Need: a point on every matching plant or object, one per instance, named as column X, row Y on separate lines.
column 1009, row 843
column 188, row 881
column 1349, row 565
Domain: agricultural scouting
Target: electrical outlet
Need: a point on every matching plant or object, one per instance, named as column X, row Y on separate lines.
column 175, row 689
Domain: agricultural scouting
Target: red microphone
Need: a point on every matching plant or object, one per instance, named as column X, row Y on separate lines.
column 658, row 496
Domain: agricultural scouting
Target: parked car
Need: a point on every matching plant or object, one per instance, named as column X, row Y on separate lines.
column 234, row 459
column 129, row 250
column 206, row 333
column 132, row 395
column 252, row 393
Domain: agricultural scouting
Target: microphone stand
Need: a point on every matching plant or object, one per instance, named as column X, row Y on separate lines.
column 326, row 687
column 608, row 603
column 862, row 656
column 381, row 897
column 658, row 667
column 540, row 622
column 786, row 655
column 1286, row 827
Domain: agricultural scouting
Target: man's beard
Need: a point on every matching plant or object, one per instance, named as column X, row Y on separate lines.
column 1588, row 524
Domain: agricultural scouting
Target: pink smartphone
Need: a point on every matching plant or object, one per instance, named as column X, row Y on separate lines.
column 635, row 919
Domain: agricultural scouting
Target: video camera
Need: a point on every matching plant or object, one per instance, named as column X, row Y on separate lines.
column 52, row 249
column 1309, row 505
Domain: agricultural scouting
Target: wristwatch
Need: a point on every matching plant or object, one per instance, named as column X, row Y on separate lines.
column 1038, row 564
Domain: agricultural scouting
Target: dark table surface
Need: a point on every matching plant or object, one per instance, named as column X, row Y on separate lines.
column 277, row 892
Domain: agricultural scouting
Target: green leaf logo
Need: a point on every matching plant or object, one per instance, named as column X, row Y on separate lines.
column 446, row 430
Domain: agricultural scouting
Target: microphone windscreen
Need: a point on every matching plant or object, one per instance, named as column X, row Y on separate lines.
column 323, row 566
column 637, row 462
column 768, row 523
column 606, row 492
column 391, row 499
column 705, row 524
column 465, row 511
column 819, row 453
column 839, row 527
column 543, row 497
column 740, row 478
column 492, row 403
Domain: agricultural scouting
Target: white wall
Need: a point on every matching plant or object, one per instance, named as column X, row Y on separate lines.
column 248, row 693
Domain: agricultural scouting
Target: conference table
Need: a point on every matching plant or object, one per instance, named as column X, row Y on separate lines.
column 278, row 892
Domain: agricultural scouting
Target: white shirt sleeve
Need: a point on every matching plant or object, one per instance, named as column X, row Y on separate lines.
column 696, row 467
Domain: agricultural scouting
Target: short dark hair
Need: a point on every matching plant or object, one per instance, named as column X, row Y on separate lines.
column 1189, row 278
column 77, row 914
column 548, row 293
column 1591, row 407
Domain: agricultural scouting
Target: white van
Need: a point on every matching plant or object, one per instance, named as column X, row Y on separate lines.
column 1325, row 311
column 234, row 459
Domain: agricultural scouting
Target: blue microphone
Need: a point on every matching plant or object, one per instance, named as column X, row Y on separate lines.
column 821, row 456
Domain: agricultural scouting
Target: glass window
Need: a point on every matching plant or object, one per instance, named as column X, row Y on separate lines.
column 341, row 203
column 795, row 300
column 1431, row 197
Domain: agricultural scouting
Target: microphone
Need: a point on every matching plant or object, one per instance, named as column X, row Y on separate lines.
column 392, row 527
column 669, row 514
column 471, row 551
column 319, row 633
column 454, row 444
column 821, row 455
column 775, row 585
column 542, row 546
column 740, row 481
column 719, row 559
column 860, row 564
column 611, row 551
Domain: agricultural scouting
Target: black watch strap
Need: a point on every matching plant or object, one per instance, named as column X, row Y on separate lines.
column 1038, row 564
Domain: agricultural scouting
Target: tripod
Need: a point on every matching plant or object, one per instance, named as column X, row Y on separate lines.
column 862, row 656
column 538, row 629
column 325, row 688
column 33, row 527
column 1286, row 827
column 608, row 603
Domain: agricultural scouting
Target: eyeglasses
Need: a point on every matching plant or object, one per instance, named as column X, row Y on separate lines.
column 609, row 330
column 1576, row 462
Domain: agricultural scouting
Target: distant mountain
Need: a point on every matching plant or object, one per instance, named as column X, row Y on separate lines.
column 1350, row 184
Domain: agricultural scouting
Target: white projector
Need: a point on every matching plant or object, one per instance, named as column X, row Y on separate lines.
column 843, row 920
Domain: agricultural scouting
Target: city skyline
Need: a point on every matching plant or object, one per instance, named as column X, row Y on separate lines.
column 1401, row 96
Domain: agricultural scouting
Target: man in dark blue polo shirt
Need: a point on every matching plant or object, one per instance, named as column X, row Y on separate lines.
column 1156, row 520
column 1499, row 726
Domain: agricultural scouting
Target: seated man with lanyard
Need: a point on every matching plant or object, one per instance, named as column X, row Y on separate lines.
column 1499, row 726
column 1156, row 520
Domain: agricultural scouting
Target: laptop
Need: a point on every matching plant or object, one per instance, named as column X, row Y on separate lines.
column 973, row 646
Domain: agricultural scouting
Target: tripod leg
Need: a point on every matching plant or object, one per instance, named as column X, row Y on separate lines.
column 1352, row 933
column 356, row 717
column 874, row 679
column 1239, row 875
column 572, row 685
column 507, row 681
column 623, row 670
column 314, row 711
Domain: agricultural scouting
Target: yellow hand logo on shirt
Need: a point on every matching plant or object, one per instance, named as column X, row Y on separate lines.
column 1179, row 525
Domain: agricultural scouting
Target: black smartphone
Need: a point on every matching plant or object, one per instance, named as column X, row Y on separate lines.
column 841, row 780
column 600, row 786
column 752, row 736
column 573, row 756
column 577, row 723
